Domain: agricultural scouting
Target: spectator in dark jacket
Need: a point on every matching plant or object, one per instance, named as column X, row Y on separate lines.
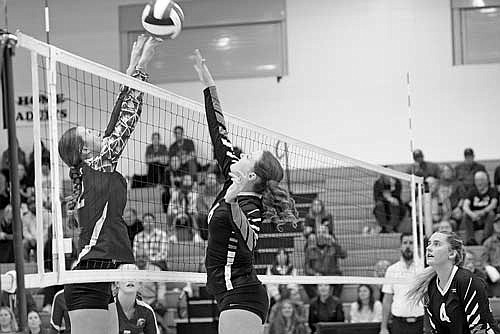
column 465, row 171
column 317, row 216
column 325, row 308
column 389, row 209
column 322, row 257
column 421, row 167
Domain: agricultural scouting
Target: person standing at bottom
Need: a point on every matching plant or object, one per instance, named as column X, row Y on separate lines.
column 455, row 299
column 407, row 318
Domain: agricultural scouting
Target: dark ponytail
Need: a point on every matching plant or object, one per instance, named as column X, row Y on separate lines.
column 70, row 150
column 279, row 206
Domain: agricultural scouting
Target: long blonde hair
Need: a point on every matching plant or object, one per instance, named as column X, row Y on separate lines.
column 420, row 287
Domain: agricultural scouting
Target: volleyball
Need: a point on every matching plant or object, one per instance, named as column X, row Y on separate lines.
column 163, row 18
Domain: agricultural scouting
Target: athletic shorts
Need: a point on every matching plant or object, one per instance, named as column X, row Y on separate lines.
column 90, row 295
column 250, row 298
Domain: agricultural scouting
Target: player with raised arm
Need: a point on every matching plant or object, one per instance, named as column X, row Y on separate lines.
column 250, row 196
column 99, row 198
column 454, row 298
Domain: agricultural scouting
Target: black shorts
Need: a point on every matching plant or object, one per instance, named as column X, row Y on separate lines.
column 90, row 295
column 250, row 298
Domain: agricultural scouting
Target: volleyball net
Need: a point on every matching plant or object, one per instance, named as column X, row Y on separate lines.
column 171, row 186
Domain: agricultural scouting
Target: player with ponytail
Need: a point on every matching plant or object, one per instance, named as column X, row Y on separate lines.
column 453, row 297
column 251, row 195
column 99, row 198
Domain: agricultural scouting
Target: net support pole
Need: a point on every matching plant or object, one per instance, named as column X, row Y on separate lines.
column 414, row 216
column 427, row 210
column 9, row 42
column 59, row 265
column 37, row 147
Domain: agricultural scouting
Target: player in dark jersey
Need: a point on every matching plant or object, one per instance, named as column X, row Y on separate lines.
column 454, row 298
column 99, row 198
column 251, row 194
column 134, row 315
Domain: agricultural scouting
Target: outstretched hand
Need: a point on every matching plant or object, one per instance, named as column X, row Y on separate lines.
column 136, row 53
column 202, row 69
column 239, row 183
column 149, row 51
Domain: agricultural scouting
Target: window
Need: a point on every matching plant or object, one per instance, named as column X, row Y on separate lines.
column 476, row 31
column 239, row 39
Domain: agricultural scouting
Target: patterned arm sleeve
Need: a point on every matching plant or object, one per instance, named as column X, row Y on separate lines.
column 223, row 148
column 477, row 308
column 249, row 227
column 124, row 118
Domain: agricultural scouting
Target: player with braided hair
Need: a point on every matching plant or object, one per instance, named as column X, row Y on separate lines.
column 251, row 195
column 99, row 198
column 453, row 297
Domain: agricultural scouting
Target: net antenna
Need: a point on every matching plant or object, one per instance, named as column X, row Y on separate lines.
column 74, row 91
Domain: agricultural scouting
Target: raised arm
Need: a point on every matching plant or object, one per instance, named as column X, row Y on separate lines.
column 127, row 109
column 223, row 148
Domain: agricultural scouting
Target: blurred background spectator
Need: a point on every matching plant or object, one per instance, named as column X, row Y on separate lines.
column 156, row 160
column 479, row 210
column 151, row 245
column 6, row 236
column 366, row 308
column 450, row 194
column 466, row 170
column 389, row 210
column 281, row 266
column 423, row 168
column 134, row 225
column 184, row 149
column 4, row 190
column 322, row 256
column 445, row 226
column 286, row 320
column 207, row 191
column 316, row 217
column 325, row 308
column 21, row 156
column 8, row 323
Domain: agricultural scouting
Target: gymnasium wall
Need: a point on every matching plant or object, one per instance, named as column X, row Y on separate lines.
column 346, row 90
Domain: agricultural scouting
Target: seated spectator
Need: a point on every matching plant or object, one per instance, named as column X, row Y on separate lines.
column 366, row 308
column 423, row 168
column 466, row 170
column 281, row 266
column 30, row 167
column 35, row 324
column 134, row 225
column 28, row 217
column 479, row 210
column 184, row 149
column 208, row 190
column 450, row 195
column 25, row 189
column 389, row 210
column 46, row 185
column 4, row 190
column 286, row 320
column 59, row 317
column 21, row 157
column 173, row 180
column 491, row 254
column 379, row 270
column 134, row 315
column 471, row 264
column 325, row 308
column 157, row 160
column 6, row 236
column 182, row 213
column 8, row 323
column 316, row 217
column 151, row 245
column 322, row 256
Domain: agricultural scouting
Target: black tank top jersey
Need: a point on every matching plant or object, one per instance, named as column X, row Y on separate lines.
column 103, row 232
column 462, row 307
column 232, row 228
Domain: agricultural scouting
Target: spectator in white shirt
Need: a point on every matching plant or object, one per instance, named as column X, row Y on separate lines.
column 407, row 317
column 366, row 308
